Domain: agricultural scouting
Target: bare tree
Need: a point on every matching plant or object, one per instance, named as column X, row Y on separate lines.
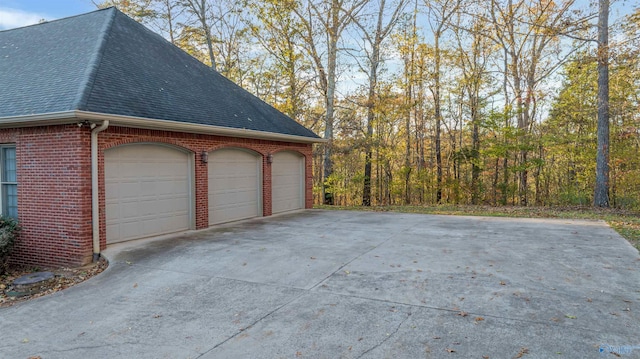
column 201, row 10
column 373, row 36
column 323, row 22
column 440, row 13
column 473, row 64
column 529, row 35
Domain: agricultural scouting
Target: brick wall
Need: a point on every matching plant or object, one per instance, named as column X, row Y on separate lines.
column 54, row 184
column 54, row 194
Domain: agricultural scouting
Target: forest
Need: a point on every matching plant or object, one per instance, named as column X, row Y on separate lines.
column 425, row 102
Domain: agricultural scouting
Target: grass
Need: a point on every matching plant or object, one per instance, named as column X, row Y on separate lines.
column 626, row 223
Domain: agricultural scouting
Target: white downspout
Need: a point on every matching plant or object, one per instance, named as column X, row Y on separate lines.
column 95, row 208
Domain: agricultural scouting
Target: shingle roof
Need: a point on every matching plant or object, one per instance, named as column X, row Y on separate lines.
column 105, row 62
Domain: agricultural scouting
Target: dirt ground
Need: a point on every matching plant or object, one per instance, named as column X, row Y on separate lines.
column 64, row 278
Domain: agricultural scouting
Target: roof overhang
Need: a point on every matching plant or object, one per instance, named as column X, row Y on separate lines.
column 69, row 117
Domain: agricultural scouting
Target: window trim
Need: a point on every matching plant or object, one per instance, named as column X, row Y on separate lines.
column 3, row 183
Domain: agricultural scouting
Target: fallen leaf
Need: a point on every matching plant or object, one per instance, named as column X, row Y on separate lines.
column 157, row 315
column 25, row 340
column 502, row 283
column 522, row 352
column 298, row 354
column 463, row 313
column 135, row 285
column 437, row 338
column 313, row 257
column 129, row 263
column 347, row 272
column 451, row 350
column 570, row 316
column 479, row 319
column 485, row 357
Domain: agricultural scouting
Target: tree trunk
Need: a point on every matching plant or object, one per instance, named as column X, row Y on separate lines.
column 601, row 194
column 332, row 55
column 201, row 9
column 438, row 116
column 371, row 99
column 475, row 168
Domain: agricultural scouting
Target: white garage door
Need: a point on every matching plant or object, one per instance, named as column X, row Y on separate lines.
column 287, row 180
column 234, row 185
column 147, row 191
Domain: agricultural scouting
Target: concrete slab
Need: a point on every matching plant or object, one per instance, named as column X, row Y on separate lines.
column 333, row 284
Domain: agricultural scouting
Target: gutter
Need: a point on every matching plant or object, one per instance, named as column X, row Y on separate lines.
column 178, row 126
column 72, row 117
column 95, row 209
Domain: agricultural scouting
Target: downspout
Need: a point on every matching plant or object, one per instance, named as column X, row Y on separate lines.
column 95, row 207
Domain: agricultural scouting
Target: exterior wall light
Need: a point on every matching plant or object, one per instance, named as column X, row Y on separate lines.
column 269, row 158
column 204, row 156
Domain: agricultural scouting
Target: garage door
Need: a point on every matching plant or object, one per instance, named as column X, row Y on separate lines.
column 234, row 185
column 147, row 191
column 287, row 179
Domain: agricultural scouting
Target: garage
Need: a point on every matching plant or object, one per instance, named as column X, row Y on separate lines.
column 235, row 182
column 147, row 191
column 287, row 180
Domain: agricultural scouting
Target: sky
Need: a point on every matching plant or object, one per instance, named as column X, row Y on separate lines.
column 18, row 13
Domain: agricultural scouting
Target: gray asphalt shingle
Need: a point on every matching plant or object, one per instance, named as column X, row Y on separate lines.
column 106, row 62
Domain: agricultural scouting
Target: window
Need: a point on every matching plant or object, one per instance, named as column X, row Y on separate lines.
column 9, row 181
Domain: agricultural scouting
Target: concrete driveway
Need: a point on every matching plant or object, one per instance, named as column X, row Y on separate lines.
column 331, row 284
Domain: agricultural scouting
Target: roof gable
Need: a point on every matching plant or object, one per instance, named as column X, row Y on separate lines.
column 105, row 62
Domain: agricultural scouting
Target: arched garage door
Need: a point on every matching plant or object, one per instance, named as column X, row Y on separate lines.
column 147, row 191
column 287, row 180
column 235, row 183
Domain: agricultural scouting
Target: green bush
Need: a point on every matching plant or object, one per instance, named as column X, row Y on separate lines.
column 9, row 231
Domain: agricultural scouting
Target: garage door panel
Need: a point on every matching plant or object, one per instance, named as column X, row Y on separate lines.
column 147, row 191
column 287, row 182
column 234, row 185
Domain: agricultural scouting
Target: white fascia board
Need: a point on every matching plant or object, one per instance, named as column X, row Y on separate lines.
column 68, row 117
column 45, row 119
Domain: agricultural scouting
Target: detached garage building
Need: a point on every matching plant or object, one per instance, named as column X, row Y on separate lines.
column 110, row 133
